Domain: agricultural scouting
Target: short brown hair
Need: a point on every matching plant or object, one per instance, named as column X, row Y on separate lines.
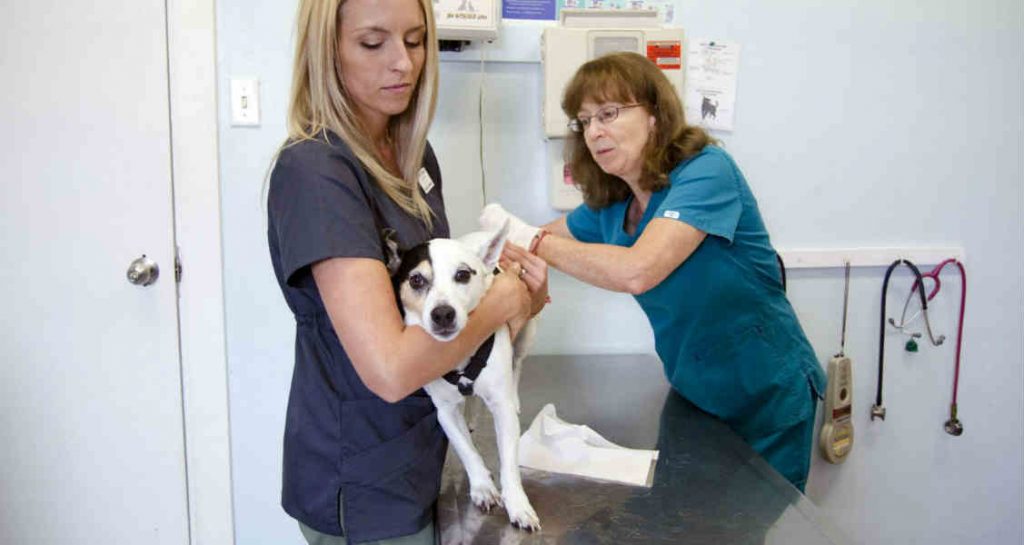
column 629, row 77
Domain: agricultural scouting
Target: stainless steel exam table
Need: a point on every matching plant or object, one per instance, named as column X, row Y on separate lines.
column 709, row 487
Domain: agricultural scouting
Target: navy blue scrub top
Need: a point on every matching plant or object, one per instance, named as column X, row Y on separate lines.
column 346, row 450
column 727, row 336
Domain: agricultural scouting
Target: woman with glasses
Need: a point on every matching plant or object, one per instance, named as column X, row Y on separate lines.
column 669, row 218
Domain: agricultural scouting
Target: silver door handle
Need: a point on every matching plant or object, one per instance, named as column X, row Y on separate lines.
column 143, row 271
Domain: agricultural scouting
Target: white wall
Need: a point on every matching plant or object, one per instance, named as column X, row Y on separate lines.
column 858, row 123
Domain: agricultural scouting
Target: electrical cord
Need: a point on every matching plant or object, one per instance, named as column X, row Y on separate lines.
column 480, row 115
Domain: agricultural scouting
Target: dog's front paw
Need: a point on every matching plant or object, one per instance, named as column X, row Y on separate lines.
column 485, row 496
column 521, row 513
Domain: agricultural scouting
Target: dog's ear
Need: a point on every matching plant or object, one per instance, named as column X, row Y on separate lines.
column 490, row 252
column 393, row 258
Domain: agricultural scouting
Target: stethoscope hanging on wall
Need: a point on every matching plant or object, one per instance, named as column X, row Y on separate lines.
column 878, row 410
column 953, row 426
column 911, row 345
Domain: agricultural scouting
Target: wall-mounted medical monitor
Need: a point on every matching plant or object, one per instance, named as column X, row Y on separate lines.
column 564, row 49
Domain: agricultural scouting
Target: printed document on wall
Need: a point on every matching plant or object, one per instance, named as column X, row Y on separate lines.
column 711, row 83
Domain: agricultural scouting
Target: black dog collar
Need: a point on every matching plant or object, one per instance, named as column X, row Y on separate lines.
column 464, row 379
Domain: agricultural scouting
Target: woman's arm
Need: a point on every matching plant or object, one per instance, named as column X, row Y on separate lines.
column 391, row 359
column 559, row 227
column 664, row 245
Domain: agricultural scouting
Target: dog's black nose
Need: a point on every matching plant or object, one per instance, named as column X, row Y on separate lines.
column 443, row 316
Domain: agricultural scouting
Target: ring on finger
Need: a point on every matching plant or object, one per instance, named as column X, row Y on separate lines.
column 522, row 272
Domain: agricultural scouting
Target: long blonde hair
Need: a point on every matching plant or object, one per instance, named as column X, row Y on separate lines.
column 320, row 103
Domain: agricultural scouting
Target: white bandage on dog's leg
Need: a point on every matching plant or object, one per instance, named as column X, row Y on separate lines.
column 520, row 233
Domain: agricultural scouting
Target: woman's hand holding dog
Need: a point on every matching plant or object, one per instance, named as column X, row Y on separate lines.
column 521, row 235
column 510, row 289
column 535, row 274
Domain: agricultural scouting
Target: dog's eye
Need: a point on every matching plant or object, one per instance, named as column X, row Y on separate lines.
column 417, row 282
column 462, row 276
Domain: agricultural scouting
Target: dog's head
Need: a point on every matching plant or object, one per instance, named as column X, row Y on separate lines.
column 438, row 283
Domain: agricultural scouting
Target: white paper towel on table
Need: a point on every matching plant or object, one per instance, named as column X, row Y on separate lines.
column 552, row 444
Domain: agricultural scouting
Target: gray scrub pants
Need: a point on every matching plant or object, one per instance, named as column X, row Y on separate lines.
column 423, row 537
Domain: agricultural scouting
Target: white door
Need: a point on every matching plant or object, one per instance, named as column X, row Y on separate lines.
column 91, row 428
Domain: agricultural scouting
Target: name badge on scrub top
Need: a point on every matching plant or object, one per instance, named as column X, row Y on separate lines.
column 425, row 182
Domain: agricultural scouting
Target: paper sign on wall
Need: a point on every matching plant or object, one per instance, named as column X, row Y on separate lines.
column 550, row 9
column 711, row 68
column 529, row 9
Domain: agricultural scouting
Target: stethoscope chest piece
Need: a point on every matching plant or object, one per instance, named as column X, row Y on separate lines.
column 953, row 425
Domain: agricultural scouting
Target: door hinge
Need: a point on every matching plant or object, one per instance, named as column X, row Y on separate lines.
column 177, row 265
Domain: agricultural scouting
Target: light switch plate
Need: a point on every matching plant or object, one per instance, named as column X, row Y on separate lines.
column 245, row 102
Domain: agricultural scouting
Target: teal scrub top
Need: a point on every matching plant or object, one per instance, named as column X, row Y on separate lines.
column 727, row 336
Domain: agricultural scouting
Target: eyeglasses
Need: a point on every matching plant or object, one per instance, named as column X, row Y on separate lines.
column 605, row 115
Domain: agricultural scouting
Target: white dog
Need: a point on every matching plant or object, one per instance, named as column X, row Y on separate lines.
column 438, row 284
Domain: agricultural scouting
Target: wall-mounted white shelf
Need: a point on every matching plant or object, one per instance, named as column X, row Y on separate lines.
column 865, row 257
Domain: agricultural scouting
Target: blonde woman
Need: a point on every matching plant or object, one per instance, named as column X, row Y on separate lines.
column 363, row 450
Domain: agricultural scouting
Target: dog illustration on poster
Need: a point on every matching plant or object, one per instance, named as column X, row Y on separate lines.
column 708, row 108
